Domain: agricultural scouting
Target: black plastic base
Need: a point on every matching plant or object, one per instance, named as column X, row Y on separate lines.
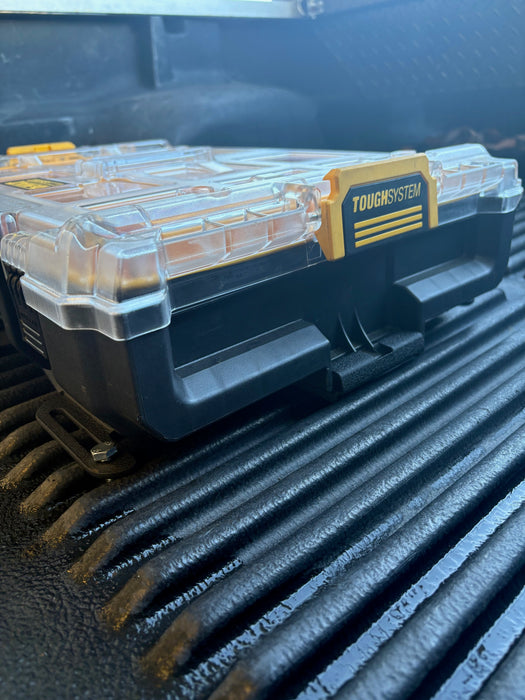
column 333, row 326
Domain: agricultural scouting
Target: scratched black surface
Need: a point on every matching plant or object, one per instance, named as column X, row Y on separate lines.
column 374, row 547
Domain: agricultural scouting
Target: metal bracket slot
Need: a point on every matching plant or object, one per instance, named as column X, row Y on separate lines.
column 118, row 461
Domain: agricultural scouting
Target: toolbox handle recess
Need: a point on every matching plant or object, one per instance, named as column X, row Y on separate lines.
column 420, row 297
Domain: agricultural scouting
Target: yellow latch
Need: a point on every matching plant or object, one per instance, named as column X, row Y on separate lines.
column 40, row 148
column 331, row 235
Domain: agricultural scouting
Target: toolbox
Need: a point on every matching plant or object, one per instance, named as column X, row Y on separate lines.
column 165, row 287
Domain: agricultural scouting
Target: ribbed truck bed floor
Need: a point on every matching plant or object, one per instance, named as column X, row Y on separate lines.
column 369, row 548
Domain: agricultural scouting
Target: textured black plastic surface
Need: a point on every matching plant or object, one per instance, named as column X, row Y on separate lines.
column 371, row 548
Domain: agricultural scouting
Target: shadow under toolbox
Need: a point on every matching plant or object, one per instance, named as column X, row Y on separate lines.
column 165, row 287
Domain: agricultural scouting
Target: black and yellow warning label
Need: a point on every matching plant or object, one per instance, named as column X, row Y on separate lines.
column 378, row 211
column 33, row 183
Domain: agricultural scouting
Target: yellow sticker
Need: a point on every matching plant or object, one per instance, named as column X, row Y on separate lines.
column 33, row 183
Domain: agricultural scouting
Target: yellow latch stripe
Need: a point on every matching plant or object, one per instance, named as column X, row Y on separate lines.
column 386, row 217
column 389, row 224
column 40, row 148
column 388, row 234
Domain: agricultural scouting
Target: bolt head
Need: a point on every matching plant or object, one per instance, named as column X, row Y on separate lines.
column 104, row 451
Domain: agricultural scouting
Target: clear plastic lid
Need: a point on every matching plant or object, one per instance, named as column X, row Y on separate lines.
column 99, row 232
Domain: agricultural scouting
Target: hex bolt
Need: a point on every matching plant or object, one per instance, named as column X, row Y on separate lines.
column 104, row 451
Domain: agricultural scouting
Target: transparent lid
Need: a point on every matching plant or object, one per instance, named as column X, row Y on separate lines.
column 99, row 232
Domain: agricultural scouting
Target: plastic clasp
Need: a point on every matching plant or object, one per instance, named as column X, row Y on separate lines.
column 40, row 148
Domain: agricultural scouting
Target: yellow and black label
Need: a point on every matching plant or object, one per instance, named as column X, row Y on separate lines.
column 33, row 183
column 378, row 211
column 373, row 203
